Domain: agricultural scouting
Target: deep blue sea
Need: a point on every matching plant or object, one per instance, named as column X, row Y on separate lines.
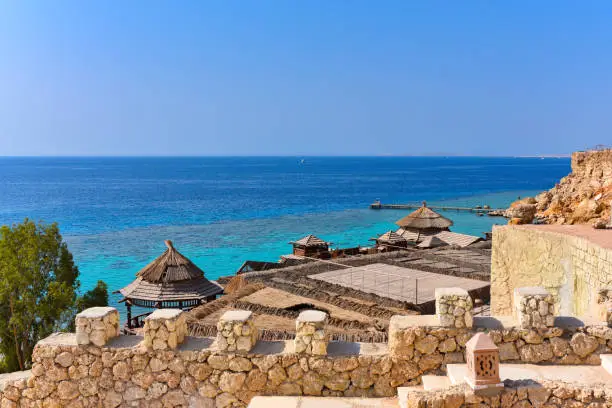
column 115, row 213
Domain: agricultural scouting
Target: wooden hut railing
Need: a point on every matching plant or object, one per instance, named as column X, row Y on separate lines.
column 136, row 322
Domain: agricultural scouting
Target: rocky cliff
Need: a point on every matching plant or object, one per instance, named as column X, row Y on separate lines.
column 584, row 196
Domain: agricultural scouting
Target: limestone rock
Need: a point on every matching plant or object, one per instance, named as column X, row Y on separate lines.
column 581, row 197
column 345, row 364
column 231, row 382
column 277, row 375
column 133, row 394
column 312, row 383
column 67, row 390
column 174, row 398
column 583, row 344
column 112, row 399
column 256, row 380
column 430, row 362
column 523, row 212
column 507, row 352
column 338, row 382
column 289, row 389
column 240, row 364
column 536, row 353
column 427, row 345
column 64, row 359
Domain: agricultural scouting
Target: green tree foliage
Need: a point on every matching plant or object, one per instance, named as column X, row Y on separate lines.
column 38, row 289
column 98, row 296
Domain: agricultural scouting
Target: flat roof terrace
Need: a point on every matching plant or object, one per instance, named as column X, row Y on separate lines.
column 600, row 237
column 395, row 282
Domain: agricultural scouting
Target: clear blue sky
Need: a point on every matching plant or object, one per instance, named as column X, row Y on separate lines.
column 304, row 77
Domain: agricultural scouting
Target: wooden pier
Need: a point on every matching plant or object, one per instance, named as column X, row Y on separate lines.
column 377, row 205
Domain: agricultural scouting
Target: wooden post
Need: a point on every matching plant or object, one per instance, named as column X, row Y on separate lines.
column 129, row 313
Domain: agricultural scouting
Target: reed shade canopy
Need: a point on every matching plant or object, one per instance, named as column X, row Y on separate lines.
column 390, row 238
column 170, row 281
column 310, row 241
column 424, row 219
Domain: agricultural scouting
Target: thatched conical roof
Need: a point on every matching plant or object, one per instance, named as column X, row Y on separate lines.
column 170, row 277
column 310, row 241
column 391, row 237
column 171, row 266
column 424, row 218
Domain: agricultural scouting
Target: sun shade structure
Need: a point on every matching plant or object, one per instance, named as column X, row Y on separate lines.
column 424, row 219
column 311, row 246
column 170, row 281
column 391, row 240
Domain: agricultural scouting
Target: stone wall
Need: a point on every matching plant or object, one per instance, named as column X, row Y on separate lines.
column 196, row 374
column 125, row 372
column 516, row 394
column 569, row 261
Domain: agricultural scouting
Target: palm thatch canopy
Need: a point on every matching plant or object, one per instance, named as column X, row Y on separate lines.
column 235, row 284
column 391, row 237
column 424, row 219
column 431, row 241
column 310, row 241
column 173, row 278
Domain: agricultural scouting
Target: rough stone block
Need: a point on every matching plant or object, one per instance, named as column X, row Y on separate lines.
column 454, row 307
column 165, row 329
column 310, row 334
column 97, row 325
column 534, row 307
column 236, row 331
column 604, row 303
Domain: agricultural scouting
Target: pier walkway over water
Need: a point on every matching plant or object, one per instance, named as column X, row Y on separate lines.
column 377, row 205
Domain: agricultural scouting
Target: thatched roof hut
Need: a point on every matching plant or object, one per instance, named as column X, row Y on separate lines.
column 170, row 281
column 424, row 219
column 310, row 246
column 310, row 241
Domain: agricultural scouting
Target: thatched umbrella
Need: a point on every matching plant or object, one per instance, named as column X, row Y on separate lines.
column 170, row 281
column 422, row 221
column 425, row 219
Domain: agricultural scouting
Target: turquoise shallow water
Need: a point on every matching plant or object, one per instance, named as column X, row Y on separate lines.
column 115, row 213
column 221, row 247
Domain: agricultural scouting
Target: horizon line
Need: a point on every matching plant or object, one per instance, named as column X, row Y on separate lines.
column 543, row 156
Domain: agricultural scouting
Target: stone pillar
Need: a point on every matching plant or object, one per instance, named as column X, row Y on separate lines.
column 403, row 331
column 310, row 335
column 165, row 329
column 97, row 325
column 482, row 358
column 604, row 304
column 534, row 307
column 454, row 307
column 236, row 331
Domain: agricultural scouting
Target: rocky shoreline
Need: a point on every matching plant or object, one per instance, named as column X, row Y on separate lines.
column 582, row 197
